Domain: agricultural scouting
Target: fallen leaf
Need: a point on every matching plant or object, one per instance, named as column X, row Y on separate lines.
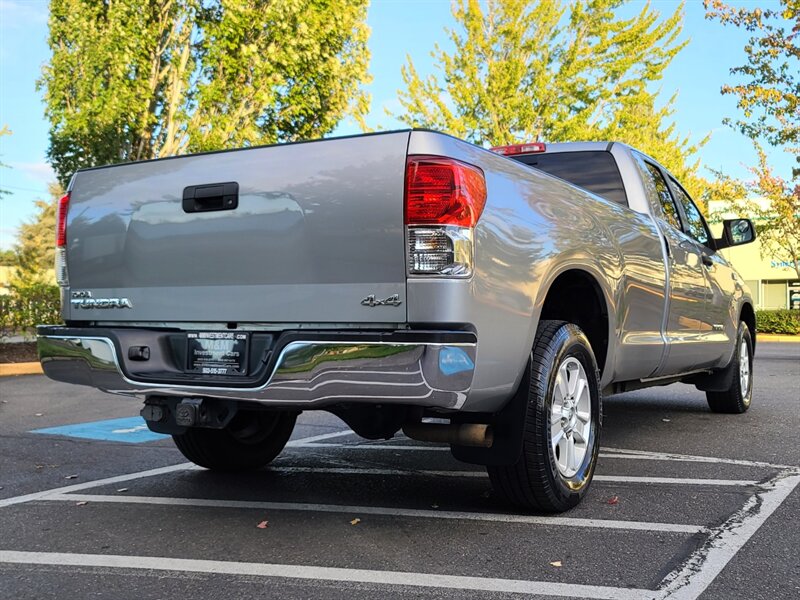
column 71, row 477
column 613, row 500
column 355, row 521
column 81, row 503
column 122, row 490
column 555, row 563
column 263, row 525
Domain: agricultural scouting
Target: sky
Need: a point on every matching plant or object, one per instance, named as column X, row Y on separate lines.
column 399, row 28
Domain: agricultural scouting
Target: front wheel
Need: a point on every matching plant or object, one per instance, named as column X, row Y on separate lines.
column 250, row 441
column 562, row 424
column 737, row 398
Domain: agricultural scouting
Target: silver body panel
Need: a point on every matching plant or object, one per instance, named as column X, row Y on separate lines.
column 336, row 206
column 313, row 231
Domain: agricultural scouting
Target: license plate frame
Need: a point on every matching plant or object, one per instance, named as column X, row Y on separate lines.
column 217, row 353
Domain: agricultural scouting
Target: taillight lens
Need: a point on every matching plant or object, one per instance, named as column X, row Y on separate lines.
column 443, row 191
column 444, row 200
column 62, row 277
column 61, row 227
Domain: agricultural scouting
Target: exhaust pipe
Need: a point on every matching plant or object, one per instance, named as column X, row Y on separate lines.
column 463, row 434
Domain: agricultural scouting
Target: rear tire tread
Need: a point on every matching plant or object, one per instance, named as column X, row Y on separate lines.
column 218, row 450
column 527, row 482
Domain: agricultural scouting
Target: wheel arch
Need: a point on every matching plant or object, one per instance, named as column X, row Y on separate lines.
column 748, row 314
column 575, row 295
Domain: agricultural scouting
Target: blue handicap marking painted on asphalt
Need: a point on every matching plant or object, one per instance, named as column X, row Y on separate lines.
column 130, row 429
column 454, row 360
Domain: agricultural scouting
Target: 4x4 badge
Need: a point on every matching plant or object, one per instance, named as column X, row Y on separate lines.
column 393, row 300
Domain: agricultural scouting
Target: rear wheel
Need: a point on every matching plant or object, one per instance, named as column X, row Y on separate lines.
column 562, row 424
column 250, row 441
column 737, row 398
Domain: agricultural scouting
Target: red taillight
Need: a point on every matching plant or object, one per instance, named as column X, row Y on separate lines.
column 513, row 149
column 61, row 227
column 443, row 191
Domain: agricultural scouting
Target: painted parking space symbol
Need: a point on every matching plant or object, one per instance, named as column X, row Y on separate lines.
column 132, row 430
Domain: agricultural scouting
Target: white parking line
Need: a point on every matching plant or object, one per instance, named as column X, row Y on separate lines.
column 138, row 475
column 675, row 480
column 314, row 438
column 702, row 567
column 373, row 446
column 96, row 483
column 607, row 453
column 483, row 475
column 647, row 455
column 399, row 578
column 384, row 511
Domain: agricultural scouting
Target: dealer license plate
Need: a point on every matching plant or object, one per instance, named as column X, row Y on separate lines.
column 217, row 352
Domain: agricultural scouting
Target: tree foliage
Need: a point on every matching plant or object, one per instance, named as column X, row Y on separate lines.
column 8, row 258
column 35, row 249
column 768, row 94
column 556, row 71
column 774, row 205
column 768, row 85
column 138, row 79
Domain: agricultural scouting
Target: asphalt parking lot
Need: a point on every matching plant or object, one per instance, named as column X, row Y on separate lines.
column 685, row 504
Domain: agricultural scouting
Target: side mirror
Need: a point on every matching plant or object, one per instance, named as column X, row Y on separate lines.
column 735, row 233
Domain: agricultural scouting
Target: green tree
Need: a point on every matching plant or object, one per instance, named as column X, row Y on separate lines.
column 8, row 258
column 640, row 123
column 772, row 203
column 35, row 248
column 767, row 87
column 556, row 71
column 133, row 79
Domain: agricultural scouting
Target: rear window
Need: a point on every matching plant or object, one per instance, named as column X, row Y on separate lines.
column 595, row 171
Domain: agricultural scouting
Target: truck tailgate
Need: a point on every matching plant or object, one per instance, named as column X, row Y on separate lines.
column 318, row 228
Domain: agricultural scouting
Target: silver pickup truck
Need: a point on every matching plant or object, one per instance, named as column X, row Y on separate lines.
column 402, row 281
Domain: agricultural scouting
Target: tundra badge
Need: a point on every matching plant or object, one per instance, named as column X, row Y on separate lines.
column 83, row 299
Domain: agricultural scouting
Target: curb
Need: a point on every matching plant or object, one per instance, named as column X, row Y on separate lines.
column 26, row 368
column 772, row 337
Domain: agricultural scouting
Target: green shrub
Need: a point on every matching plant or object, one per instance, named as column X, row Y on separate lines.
column 25, row 307
column 778, row 321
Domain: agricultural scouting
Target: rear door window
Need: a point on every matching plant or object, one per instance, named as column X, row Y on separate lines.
column 658, row 191
column 695, row 225
column 595, row 171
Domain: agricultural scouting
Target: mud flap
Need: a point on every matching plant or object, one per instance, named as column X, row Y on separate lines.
column 507, row 426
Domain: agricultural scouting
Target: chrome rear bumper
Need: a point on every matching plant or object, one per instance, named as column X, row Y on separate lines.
column 309, row 373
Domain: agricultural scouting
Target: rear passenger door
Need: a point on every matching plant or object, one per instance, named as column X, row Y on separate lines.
column 688, row 286
column 717, row 327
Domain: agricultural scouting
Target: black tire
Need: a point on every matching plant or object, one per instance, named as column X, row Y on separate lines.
column 736, row 400
column 535, row 481
column 250, row 441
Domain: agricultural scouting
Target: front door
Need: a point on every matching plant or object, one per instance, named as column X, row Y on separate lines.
column 688, row 289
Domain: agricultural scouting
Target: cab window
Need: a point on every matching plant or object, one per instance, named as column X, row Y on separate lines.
column 659, row 191
column 695, row 226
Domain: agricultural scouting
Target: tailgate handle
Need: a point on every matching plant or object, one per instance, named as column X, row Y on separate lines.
column 211, row 196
